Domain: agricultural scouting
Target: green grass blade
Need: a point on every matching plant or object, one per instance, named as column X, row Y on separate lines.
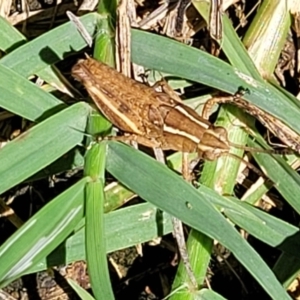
column 271, row 24
column 40, row 235
column 24, row 98
column 95, row 167
column 49, row 48
column 104, row 49
column 42, row 144
column 94, row 227
column 263, row 226
column 95, row 242
column 10, row 37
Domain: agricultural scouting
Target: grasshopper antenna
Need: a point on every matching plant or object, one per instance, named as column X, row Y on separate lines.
column 260, row 150
column 249, row 165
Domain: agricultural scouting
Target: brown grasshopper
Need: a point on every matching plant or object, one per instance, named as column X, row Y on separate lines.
column 153, row 119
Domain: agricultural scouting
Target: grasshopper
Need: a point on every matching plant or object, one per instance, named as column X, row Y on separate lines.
column 151, row 118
